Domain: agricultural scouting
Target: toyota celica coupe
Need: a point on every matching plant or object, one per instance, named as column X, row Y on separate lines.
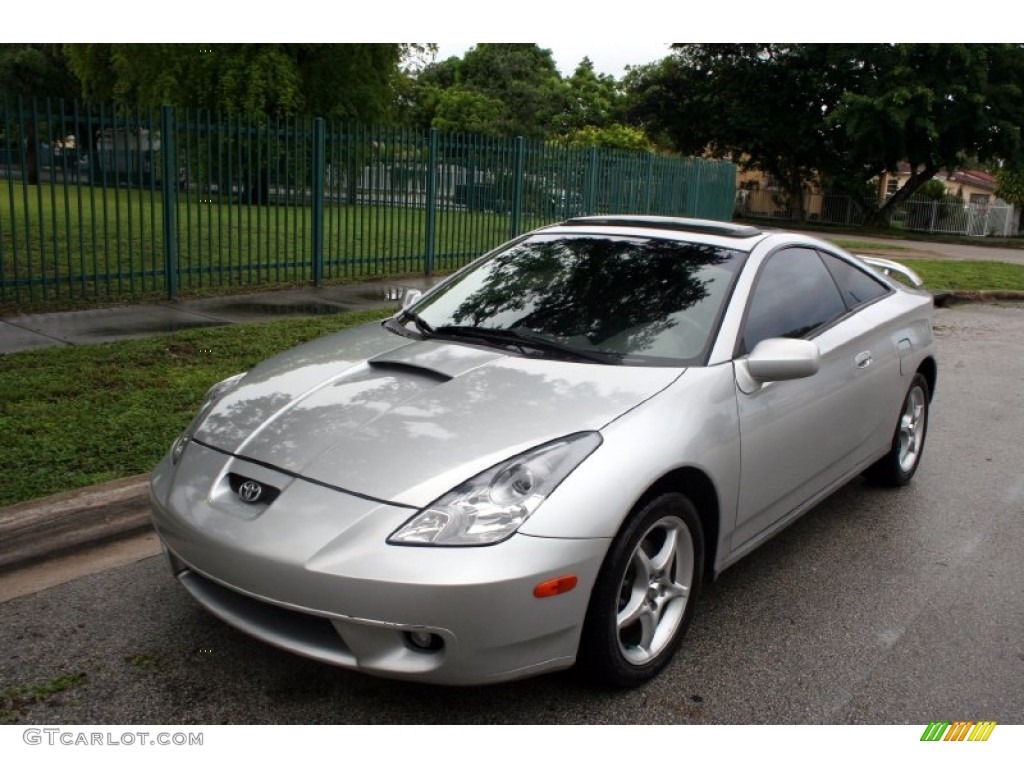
column 537, row 463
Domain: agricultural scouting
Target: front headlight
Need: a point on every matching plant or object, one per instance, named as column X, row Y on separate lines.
column 490, row 507
column 215, row 393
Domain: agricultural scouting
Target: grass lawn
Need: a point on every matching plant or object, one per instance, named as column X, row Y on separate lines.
column 952, row 275
column 865, row 245
column 59, row 243
column 74, row 416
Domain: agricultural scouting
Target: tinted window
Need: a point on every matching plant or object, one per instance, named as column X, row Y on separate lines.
column 635, row 299
column 794, row 295
column 856, row 285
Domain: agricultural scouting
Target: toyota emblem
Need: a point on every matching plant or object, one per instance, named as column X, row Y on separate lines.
column 250, row 491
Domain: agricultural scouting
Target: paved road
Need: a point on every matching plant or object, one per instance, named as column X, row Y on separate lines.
column 927, row 250
column 878, row 607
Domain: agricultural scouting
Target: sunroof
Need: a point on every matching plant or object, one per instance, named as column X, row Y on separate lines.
column 703, row 226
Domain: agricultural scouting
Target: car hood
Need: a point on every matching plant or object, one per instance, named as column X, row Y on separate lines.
column 404, row 420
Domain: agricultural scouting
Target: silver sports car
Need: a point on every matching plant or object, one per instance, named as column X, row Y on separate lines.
column 537, row 463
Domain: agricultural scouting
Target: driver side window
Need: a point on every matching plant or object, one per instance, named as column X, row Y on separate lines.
column 794, row 296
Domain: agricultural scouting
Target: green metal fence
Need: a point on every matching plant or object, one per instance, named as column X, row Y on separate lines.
column 97, row 203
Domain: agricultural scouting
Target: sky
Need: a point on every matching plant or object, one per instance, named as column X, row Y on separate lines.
column 612, row 34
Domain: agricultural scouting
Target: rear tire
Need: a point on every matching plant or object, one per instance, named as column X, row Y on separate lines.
column 898, row 466
column 645, row 596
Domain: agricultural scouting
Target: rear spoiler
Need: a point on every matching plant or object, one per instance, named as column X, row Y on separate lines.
column 887, row 267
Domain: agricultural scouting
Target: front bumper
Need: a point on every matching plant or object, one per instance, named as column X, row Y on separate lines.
column 311, row 573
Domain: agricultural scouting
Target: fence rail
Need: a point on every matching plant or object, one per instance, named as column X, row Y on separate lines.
column 97, row 203
column 948, row 216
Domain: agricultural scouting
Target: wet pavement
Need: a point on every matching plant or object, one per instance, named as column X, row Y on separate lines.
column 97, row 326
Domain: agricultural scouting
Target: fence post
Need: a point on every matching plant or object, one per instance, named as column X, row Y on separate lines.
column 517, row 186
column 649, row 185
column 431, row 202
column 319, row 171
column 591, row 177
column 169, row 189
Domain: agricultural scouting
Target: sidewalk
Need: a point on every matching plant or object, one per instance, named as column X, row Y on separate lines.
column 96, row 326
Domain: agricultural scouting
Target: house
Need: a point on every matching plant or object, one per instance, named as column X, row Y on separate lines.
column 973, row 187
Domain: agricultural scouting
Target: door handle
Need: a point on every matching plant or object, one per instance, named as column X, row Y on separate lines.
column 863, row 360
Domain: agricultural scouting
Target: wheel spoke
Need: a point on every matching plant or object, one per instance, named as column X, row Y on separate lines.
column 632, row 611
column 648, row 626
column 664, row 557
column 675, row 589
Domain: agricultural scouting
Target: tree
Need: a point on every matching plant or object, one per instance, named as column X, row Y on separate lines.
column 934, row 106
column 1011, row 189
column 33, row 71
column 592, row 99
column 837, row 114
column 349, row 81
column 36, row 70
column 466, row 110
column 614, row 136
column 761, row 105
column 523, row 77
column 511, row 89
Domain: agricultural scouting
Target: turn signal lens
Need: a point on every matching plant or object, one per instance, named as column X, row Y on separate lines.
column 553, row 587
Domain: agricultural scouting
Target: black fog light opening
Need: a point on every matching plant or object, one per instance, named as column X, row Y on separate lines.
column 423, row 641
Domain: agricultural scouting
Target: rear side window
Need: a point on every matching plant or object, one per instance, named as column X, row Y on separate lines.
column 856, row 285
column 794, row 296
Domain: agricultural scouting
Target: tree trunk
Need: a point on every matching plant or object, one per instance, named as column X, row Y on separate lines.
column 917, row 179
column 795, row 192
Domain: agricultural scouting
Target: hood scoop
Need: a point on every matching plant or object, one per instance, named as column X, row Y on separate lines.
column 442, row 361
column 388, row 366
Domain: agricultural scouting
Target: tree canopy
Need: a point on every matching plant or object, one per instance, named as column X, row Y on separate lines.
column 36, row 70
column 515, row 89
column 838, row 115
column 353, row 81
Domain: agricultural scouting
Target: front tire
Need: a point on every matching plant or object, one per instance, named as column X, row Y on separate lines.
column 898, row 466
column 645, row 596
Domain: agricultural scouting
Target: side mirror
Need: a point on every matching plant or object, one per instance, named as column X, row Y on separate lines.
column 412, row 295
column 777, row 360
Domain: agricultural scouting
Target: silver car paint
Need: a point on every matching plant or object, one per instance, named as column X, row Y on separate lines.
column 351, row 424
column 442, row 412
column 323, row 553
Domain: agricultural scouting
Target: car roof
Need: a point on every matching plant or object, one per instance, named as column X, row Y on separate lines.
column 700, row 230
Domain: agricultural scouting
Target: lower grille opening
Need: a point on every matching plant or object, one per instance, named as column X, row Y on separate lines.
column 302, row 633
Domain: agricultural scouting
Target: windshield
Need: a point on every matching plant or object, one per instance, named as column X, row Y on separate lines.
column 627, row 299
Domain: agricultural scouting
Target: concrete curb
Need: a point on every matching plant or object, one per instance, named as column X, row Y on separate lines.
column 36, row 530
column 945, row 298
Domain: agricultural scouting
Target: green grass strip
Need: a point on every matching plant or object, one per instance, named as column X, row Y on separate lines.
column 965, row 275
column 74, row 416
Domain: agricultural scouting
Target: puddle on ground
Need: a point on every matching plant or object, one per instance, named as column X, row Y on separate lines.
column 256, row 308
column 388, row 293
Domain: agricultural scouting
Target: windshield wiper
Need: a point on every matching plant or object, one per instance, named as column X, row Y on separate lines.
column 421, row 325
column 504, row 337
column 398, row 329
